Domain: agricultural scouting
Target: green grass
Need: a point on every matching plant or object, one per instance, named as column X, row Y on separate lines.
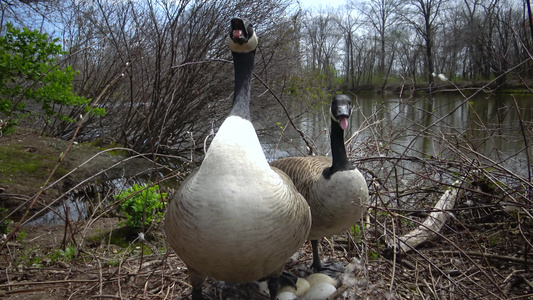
column 101, row 145
column 16, row 159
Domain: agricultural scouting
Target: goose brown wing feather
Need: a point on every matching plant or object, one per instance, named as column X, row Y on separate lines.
column 336, row 202
column 304, row 171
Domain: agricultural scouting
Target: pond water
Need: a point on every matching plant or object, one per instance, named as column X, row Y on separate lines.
column 489, row 127
column 76, row 206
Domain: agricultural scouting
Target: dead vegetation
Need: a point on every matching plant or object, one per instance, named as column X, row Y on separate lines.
column 475, row 243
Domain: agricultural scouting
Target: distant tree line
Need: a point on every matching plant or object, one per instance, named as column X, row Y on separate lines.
column 163, row 73
column 371, row 42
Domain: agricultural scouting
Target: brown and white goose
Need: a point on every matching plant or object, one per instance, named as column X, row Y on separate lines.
column 237, row 219
column 335, row 190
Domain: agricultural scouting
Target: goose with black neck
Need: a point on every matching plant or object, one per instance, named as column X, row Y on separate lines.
column 334, row 188
column 237, row 219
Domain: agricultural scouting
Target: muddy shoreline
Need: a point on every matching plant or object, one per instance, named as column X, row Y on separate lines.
column 31, row 161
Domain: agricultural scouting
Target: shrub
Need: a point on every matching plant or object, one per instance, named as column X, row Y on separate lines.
column 29, row 73
column 141, row 205
column 4, row 222
column 63, row 255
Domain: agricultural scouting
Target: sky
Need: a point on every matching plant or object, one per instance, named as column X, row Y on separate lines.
column 318, row 3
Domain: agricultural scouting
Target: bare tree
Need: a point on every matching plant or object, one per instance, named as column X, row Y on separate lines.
column 160, row 68
column 423, row 18
column 321, row 38
column 349, row 25
column 42, row 12
column 382, row 16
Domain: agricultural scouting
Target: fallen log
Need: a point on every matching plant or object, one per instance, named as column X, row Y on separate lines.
column 434, row 222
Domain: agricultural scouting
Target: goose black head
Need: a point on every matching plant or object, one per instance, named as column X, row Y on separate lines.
column 242, row 36
column 341, row 109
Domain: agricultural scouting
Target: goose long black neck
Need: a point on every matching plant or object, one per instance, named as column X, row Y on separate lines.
column 338, row 151
column 244, row 64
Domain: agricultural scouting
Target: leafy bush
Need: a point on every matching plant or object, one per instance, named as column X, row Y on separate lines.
column 311, row 87
column 29, row 72
column 142, row 205
column 64, row 255
column 4, row 222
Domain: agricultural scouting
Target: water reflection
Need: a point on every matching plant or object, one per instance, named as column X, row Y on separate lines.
column 486, row 126
column 74, row 206
column 77, row 206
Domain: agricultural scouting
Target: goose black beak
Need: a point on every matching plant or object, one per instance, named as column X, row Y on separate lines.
column 341, row 106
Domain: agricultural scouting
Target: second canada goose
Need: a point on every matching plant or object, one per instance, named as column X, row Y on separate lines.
column 335, row 190
column 237, row 219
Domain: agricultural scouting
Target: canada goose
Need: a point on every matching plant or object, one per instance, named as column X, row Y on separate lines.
column 335, row 190
column 237, row 219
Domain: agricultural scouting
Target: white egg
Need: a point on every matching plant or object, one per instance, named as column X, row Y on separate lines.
column 286, row 296
column 302, row 286
column 316, row 278
column 286, row 288
column 320, row 291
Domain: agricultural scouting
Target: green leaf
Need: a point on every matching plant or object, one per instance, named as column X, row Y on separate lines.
column 28, row 72
column 140, row 202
